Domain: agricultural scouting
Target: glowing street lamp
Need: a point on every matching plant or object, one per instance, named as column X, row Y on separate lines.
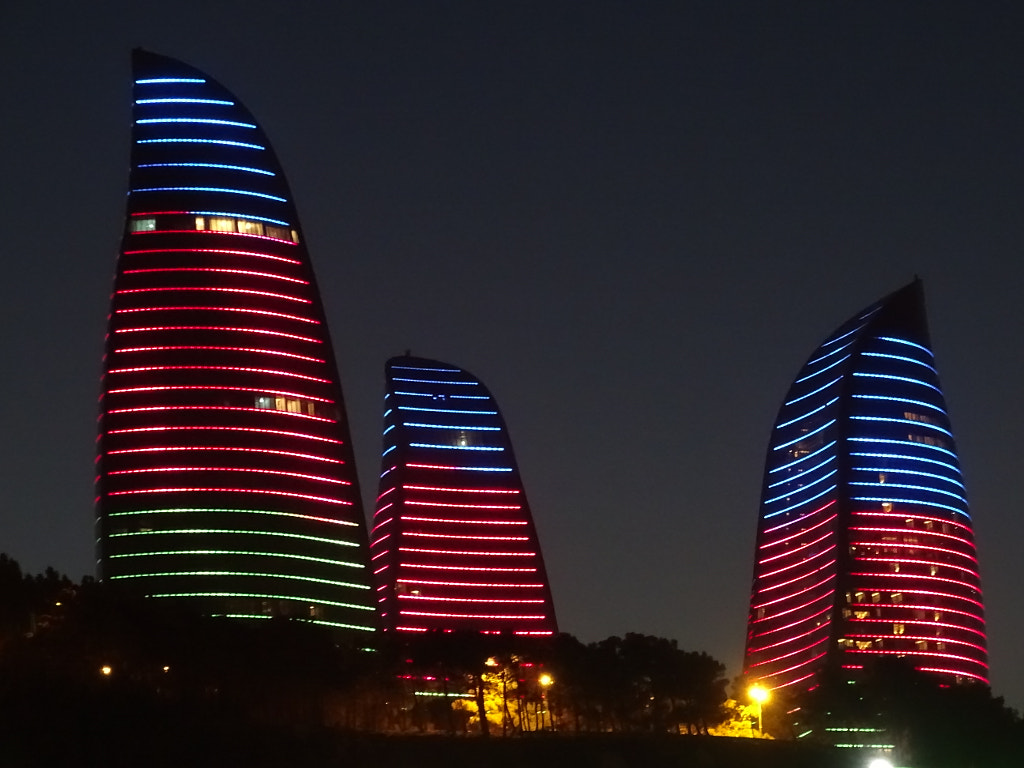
column 545, row 681
column 759, row 694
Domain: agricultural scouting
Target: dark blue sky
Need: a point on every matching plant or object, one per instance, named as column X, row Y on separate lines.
column 633, row 221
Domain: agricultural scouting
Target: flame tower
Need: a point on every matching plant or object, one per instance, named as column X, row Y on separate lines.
column 865, row 546
column 226, row 476
column 453, row 541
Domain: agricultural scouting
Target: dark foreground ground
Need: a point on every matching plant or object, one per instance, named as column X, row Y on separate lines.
column 92, row 739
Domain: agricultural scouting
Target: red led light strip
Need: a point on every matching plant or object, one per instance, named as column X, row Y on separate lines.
column 216, row 289
column 219, row 328
column 200, row 347
column 245, row 310
column 227, row 429
column 258, row 390
column 221, row 251
column 301, row 475
column 163, row 449
column 235, row 368
column 223, row 270
column 231, row 490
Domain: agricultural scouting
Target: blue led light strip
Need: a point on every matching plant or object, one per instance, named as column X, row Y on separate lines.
column 814, row 391
column 209, row 165
column 800, row 504
column 242, row 144
column 840, row 361
column 827, row 355
column 432, row 370
column 804, row 436
column 152, row 80
column 908, row 343
column 452, row 426
column 457, row 447
column 912, row 422
column 892, row 471
column 211, row 189
column 431, row 381
column 444, row 410
column 830, row 342
column 186, row 101
column 924, row 488
column 918, row 502
column 803, row 487
column 906, row 400
column 802, row 458
column 901, row 358
column 203, row 120
column 801, row 474
column 809, row 413
column 907, row 458
column 908, row 443
column 897, row 378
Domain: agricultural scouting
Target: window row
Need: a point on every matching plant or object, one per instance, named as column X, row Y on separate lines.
column 228, row 224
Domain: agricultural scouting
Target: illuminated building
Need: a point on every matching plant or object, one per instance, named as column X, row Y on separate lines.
column 865, row 548
column 453, row 543
column 226, row 479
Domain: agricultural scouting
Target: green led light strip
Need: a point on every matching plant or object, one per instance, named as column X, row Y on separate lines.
column 242, row 511
column 237, row 552
column 261, row 616
column 248, row 533
column 264, row 597
column 242, row 573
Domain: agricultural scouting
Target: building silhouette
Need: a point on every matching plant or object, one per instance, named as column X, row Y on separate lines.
column 865, row 548
column 226, row 477
column 453, row 543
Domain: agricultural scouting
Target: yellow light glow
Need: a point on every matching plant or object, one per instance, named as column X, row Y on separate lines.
column 545, row 680
column 105, row 670
column 758, row 693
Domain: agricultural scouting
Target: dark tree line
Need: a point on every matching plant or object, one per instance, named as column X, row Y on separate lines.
column 285, row 672
column 167, row 665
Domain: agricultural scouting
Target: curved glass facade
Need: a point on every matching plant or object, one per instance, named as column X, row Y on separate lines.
column 453, row 543
column 864, row 543
column 226, row 475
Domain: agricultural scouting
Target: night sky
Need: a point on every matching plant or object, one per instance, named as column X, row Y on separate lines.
column 633, row 221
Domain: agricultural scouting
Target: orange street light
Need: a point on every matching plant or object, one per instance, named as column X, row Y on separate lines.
column 759, row 694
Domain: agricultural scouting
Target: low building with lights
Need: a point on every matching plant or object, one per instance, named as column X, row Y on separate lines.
column 453, row 544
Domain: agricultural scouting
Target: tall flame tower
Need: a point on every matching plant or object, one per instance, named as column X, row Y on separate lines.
column 453, row 541
column 865, row 547
column 226, row 476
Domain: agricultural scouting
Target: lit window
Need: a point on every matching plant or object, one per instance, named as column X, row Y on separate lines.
column 861, row 614
column 922, row 645
column 295, row 236
column 896, row 597
column 281, row 233
column 264, row 401
column 221, row 225
column 200, row 222
column 887, row 506
column 250, row 227
column 898, row 629
column 143, row 225
column 876, row 597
